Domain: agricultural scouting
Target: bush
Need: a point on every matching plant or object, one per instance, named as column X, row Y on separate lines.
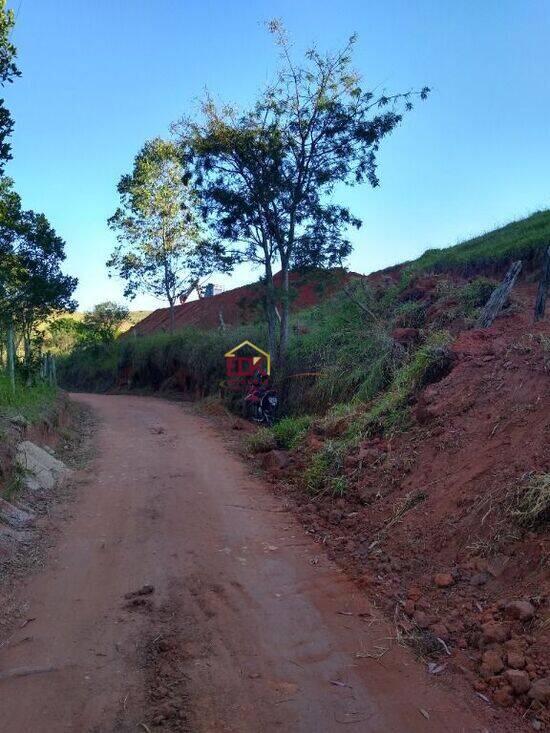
column 430, row 363
column 261, row 441
column 289, row 431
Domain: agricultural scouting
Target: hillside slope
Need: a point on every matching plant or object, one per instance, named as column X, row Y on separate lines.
column 445, row 517
column 243, row 305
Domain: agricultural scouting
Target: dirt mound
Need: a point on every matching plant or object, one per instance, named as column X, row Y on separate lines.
column 244, row 305
column 434, row 521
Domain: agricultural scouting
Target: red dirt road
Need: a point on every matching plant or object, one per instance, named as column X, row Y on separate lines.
column 249, row 629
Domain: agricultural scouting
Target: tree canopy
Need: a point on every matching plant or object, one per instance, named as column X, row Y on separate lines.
column 102, row 323
column 267, row 176
column 8, row 71
column 32, row 284
column 158, row 230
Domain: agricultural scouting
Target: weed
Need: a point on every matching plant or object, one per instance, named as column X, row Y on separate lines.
column 261, row 441
column 15, row 482
column 325, row 470
column 410, row 314
column 290, row 431
column 531, row 503
column 390, row 412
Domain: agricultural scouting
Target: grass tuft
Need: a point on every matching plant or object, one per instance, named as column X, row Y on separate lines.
column 261, row 441
column 531, row 507
column 290, row 431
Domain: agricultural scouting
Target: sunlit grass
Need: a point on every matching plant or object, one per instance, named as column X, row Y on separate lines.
column 29, row 401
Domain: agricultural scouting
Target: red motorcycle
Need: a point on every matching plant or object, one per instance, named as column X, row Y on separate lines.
column 261, row 401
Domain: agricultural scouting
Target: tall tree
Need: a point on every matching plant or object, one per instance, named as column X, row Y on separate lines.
column 8, row 71
column 32, row 285
column 267, row 176
column 43, row 288
column 158, row 230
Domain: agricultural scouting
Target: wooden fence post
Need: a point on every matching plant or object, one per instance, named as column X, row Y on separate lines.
column 499, row 296
column 544, row 284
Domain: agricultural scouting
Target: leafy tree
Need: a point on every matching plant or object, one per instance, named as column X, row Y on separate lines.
column 102, row 323
column 44, row 289
column 8, row 71
column 158, row 230
column 32, row 285
column 63, row 334
column 267, row 176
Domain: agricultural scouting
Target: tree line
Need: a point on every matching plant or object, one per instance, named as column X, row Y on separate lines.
column 258, row 185
column 32, row 284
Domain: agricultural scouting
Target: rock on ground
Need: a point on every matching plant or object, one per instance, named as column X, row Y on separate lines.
column 41, row 470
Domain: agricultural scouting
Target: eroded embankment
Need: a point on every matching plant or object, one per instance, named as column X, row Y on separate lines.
column 36, row 461
column 446, row 524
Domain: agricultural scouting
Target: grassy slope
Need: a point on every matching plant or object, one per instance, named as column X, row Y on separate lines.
column 522, row 239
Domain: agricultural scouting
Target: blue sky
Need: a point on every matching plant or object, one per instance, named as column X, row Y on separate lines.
column 101, row 77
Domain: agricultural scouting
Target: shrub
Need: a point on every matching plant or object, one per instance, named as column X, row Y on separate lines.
column 390, row 412
column 261, row 441
column 289, row 431
column 410, row 314
column 476, row 293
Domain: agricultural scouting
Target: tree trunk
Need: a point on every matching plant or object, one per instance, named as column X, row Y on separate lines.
column 270, row 311
column 11, row 357
column 544, row 284
column 499, row 296
column 27, row 345
column 285, row 314
column 172, row 315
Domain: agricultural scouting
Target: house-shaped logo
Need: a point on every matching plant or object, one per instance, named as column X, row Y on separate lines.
column 240, row 366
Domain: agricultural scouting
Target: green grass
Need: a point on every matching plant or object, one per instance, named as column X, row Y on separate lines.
column 524, row 239
column 30, row 402
column 261, row 441
column 285, row 435
column 290, row 431
column 387, row 414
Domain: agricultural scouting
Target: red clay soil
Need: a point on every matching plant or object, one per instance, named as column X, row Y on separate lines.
column 243, row 305
column 425, row 525
column 183, row 596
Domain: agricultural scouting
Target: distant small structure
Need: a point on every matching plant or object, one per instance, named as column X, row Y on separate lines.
column 210, row 290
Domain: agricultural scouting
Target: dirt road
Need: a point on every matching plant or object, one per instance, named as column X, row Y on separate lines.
column 249, row 628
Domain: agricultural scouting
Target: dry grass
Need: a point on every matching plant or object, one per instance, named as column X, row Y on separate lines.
column 261, row 441
column 531, row 503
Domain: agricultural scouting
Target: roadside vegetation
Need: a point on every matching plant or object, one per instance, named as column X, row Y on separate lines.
column 28, row 401
column 33, row 285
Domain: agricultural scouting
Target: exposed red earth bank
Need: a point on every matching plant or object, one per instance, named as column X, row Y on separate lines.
column 426, row 526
